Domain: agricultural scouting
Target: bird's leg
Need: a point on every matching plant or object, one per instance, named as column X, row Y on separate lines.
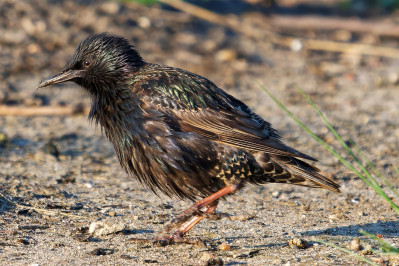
column 190, row 223
column 196, row 207
column 191, row 216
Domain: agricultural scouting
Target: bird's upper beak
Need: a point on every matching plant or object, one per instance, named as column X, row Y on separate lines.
column 65, row 75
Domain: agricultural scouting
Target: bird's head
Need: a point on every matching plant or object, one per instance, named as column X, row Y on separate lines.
column 100, row 62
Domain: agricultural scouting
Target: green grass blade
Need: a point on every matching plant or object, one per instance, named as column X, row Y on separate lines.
column 142, row 2
column 338, row 137
column 371, row 182
column 371, row 165
column 377, row 188
column 331, row 150
column 347, row 251
column 385, row 245
column 396, row 169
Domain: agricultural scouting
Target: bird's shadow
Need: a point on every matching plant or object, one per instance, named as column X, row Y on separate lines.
column 6, row 202
column 137, row 231
column 231, row 239
column 387, row 229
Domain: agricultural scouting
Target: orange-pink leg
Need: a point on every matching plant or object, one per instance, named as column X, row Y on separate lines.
column 193, row 215
column 186, row 226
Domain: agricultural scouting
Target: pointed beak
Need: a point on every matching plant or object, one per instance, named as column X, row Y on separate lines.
column 65, row 75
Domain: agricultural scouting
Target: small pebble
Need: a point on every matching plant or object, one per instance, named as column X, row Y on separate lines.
column 298, row 243
column 24, row 241
column 296, row 45
column 102, row 228
column 3, row 140
column 224, row 246
column 377, row 260
column 110, row 8
column 144, row 22
column 361, row 213
column 355, row 200
column 226, row 55
column 101, row 251
column 355, row 245
column 366, row 251
column 276, row 194
column 209, row 258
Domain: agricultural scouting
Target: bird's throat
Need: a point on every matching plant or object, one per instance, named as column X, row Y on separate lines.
column 119, row 115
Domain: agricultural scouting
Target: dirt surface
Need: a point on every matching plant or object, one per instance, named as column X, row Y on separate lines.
column 62, row 175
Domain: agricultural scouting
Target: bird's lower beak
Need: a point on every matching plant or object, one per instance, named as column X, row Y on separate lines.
column 65, row 75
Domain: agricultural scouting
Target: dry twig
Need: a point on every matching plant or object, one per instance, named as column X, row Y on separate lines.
column 341, row 47
column 41, row 110
column 322, row 23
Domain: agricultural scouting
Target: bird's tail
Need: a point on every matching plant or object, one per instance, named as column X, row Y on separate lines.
column 291, row 170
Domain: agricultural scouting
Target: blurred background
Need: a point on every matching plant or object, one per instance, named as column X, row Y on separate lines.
column 343, row 53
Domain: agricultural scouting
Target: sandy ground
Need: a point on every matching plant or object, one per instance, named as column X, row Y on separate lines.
column 62, row 175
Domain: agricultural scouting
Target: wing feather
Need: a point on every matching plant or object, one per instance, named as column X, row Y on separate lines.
column 228, row 130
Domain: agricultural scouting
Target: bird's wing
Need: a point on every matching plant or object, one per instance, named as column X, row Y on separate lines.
column 201, row 107
column 235, row 130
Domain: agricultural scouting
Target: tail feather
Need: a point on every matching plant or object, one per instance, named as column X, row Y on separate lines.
column 315, row 178
column 291, row 170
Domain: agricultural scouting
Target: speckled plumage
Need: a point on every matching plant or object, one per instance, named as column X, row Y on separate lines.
column 176, row 131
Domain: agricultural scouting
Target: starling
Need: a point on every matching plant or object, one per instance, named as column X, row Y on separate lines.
column 178, row 133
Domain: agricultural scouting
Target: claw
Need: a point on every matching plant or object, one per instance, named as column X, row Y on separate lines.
column 174, row 238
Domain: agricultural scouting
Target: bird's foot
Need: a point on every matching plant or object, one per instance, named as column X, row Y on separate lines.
column 168, row 240
column 176, row 238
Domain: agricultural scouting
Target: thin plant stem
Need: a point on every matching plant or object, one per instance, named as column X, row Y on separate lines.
column 385, row 245
column 370, row 178
column 369, row 181
column 347, row 251
column 338, row 137
column 371, row 165
column 396, row 169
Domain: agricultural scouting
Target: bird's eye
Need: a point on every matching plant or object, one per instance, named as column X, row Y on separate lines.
column 86, row 63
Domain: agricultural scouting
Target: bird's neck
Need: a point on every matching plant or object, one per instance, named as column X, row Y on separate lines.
column 119, row 115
